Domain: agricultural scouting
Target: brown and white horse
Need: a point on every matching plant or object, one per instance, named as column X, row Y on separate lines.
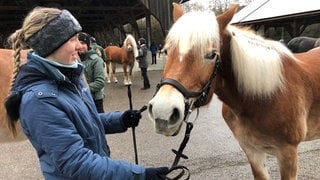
column 125, row 55
column 271, row 97
column 6, row 72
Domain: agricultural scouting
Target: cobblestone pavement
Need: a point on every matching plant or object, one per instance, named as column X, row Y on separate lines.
column 212, row 150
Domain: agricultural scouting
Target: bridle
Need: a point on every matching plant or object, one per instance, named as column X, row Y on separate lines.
column 200, row 95
column 201, row 98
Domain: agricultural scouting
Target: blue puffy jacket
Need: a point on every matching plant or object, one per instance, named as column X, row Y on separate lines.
column 61, row 122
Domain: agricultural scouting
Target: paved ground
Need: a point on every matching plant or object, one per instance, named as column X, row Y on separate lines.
column 212, row 150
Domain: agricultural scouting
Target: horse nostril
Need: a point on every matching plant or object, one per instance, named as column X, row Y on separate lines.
column 174, row 116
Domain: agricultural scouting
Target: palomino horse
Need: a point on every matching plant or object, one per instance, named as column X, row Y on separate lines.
column 6, row 72
column 271, row 97
column 125, row 55
column 303, row 44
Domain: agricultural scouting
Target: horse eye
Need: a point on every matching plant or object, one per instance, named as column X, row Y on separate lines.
column 211, row 55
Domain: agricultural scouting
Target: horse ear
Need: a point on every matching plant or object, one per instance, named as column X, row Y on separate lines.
column 177, row 11
column 224, row 18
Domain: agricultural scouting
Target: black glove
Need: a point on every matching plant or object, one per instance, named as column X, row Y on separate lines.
column 156, row 173
column 131, row 118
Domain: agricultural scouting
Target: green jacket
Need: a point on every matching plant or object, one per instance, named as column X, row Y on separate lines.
column 94, row 72
column 99, row 50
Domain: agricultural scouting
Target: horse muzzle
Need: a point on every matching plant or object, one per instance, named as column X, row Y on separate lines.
column 164, row 128
column 129, row 48
column 166, row 110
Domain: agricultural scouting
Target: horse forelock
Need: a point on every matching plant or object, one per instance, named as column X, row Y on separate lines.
column 194, row 30
column 257, row 63
column 133, row 43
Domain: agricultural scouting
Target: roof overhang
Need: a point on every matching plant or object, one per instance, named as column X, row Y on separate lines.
column 266, row 11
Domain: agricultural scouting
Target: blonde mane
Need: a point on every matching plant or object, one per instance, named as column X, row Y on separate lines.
column 256, row 62
column 134, row 44
column 194, row 30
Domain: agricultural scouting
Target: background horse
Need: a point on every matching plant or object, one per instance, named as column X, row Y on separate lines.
column 271, row 97
column 125, row 55
column 6, row 72
column 303, row 44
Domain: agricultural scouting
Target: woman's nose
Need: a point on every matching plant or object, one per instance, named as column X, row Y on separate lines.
column 78, row 45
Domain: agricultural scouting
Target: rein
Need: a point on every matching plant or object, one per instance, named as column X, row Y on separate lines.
column 201, row 99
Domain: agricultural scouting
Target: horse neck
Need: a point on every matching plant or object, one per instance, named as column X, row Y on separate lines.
column 128, row 54
column 225, row 82
column 225, row 86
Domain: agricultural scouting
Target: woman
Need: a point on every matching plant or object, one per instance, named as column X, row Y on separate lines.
column 143, row 64
column 94, row 70
column 55, row 107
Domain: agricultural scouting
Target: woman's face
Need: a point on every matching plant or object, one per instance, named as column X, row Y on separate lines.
column 83, row 48
column 67, row 53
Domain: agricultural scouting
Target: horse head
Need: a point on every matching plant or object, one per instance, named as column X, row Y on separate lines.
column 131, row 45
column 128, row 45
column 192, row 45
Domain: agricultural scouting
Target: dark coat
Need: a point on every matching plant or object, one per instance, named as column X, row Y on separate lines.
column 142, row 57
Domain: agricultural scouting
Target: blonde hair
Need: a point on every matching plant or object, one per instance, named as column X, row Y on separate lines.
column 34, row 21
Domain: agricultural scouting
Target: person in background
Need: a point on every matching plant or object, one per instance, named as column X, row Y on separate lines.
column 160, row 50
column 154, row 50
column 143, row 64
column 94, row 70
column 99, row 50
column 56, row 109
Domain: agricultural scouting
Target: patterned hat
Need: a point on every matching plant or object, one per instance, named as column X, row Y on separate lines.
column 55, row 33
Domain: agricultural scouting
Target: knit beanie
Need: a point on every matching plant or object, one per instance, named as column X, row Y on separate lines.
column 54, row 34
column 142, row 41
column 85, row 38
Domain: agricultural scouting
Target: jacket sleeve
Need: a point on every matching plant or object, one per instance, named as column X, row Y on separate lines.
column 112, row 122
column 140, row 53
column 98, row 76
column 57, row 141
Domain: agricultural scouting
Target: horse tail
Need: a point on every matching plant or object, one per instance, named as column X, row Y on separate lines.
column 13, row 100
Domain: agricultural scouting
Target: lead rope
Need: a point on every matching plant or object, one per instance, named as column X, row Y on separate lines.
column 179, row 154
